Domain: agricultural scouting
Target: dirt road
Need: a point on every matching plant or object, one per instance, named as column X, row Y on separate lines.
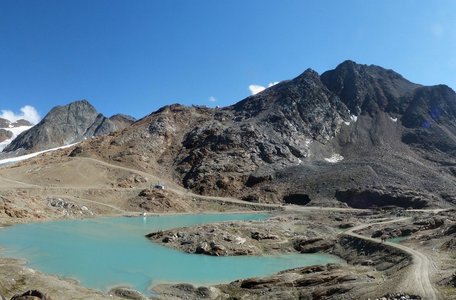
column 418, row 281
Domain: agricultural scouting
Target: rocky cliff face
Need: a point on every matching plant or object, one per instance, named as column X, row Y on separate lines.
column 359, row 131
column 65, row 125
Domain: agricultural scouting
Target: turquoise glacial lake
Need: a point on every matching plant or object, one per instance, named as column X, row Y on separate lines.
column 106, row 252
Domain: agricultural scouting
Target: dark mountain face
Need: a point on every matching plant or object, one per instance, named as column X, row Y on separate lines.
column 303, row 103
column 368, row 89
column 356, row 134
column 430, row 120
column 64, row 125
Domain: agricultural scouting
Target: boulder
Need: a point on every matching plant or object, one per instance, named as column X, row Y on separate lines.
column 31, row 295
column 217, row 249
column 202, row 248
column 262, row 236
column 127, row 293
column 256, row 283
column 451, row 230
column 312, row 245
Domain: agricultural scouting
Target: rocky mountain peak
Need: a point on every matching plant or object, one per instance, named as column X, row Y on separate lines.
column 368, row 88
column 292, row 98
column 65, row 125
column 309, row 74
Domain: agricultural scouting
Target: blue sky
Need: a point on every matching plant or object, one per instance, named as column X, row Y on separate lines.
column 135, row 56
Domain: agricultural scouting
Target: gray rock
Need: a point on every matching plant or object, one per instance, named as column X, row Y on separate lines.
column 127, row 293
column 217, row 249
column 202, row 248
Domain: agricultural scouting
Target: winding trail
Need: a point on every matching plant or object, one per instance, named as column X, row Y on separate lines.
column 77, row 199
column 20, row 183
column 181, row 191
column 419, row 279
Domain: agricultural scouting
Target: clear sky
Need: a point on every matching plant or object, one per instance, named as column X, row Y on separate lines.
column 134, row 56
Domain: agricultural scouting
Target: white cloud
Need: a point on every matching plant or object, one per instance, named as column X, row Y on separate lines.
column 212, row 99
column 28, row 113
column 255, row 89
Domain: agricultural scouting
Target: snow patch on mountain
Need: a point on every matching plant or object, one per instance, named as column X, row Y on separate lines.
column 31, row 155
column 16, row 131
column 334, row 158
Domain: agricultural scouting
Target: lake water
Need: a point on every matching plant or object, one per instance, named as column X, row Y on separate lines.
column 106, row 252
column 397, row 240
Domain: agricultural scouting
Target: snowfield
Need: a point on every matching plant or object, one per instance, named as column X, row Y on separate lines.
column 16, row 131
column 28, row 156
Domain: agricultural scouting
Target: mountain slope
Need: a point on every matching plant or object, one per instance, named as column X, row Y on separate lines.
column 65, row 125
column 355, row 132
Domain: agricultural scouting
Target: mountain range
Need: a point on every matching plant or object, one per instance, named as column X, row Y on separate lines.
column 357, row 135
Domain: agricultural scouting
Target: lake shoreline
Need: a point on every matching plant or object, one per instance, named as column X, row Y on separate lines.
column 356, row 278
column 21, row 265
